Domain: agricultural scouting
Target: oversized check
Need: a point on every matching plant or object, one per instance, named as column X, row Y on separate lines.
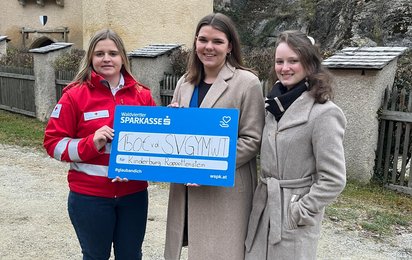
column 180, row 145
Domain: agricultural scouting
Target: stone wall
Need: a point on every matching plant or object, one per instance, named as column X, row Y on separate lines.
column 144, row 22
column 138, row 22
column 45, row 77
column 15, row 16
column 334, row 24
column 3, row 45
column 360, row 93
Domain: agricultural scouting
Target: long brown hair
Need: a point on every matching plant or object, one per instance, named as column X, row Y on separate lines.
column 220, row 22
column 319, row 78
column 86, row 65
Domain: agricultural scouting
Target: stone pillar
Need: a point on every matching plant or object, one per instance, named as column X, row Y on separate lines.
column 45, row 79
column 149, row 65
column 361, row 76
column 3, row 45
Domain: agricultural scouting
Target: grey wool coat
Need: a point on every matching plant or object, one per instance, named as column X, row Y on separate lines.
column 302, row 171
column 218, row 216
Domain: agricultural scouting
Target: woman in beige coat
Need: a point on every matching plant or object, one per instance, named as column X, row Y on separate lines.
column 302, row 158
column 213, row 220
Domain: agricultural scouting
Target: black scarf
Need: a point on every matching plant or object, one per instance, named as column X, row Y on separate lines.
column 279, row 98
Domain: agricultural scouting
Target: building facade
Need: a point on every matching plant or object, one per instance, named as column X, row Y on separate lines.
column 36, row 23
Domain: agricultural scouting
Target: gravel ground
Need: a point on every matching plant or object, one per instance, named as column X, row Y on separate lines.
column 34, row 223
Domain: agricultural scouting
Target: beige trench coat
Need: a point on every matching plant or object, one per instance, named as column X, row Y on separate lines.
column 218, row 216
column 302, row 171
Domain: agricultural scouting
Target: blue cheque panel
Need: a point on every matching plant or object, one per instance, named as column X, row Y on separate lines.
column 180, row 145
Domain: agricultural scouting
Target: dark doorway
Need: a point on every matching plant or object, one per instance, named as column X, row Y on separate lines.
column 41, row 42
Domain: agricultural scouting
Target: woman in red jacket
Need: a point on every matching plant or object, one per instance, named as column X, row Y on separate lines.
column 103, row 211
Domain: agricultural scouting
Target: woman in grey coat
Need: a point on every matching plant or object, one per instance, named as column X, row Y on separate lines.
column 213, row 220
column 302, row 157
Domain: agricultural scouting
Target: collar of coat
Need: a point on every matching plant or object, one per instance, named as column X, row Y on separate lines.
column 298, row 113
column 216, row 90
column 280, row 98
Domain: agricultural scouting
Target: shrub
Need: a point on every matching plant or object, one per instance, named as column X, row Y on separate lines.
column 179, row 59
column 17, row 58
column 259, row 59
column 69, row 61
column 403, row 77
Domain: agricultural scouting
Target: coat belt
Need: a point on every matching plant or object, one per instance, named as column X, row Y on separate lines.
column 268, row 195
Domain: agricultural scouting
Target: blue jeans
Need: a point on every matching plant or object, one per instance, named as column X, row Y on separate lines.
column 100, row 222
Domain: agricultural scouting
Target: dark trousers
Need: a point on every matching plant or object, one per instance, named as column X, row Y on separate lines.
column 100, row 222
